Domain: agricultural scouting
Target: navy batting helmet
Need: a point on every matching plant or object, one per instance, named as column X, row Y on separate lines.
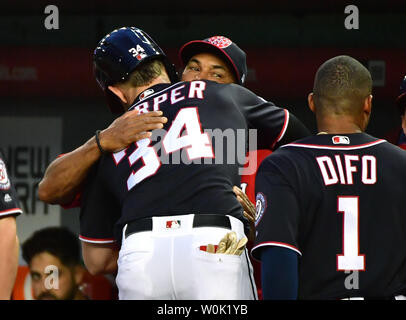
column 119, row 53
column 401, row 99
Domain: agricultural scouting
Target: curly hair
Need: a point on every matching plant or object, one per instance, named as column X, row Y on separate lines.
column 57, row 241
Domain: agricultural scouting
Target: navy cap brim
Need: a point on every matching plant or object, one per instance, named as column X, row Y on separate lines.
column 188, row 50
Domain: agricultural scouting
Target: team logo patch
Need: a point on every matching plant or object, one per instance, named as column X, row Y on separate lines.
column 173, row 224
column 146, row 93
column 341, row 140
column 4, row 180
column 260, row 207
column 7, row 198
column 220, row 41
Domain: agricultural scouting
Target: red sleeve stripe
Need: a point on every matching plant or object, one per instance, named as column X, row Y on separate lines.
column 285, row 125
column 10, row 211
column 278, row 244
column 95, row 240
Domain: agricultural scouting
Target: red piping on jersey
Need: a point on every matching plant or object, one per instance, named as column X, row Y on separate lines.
column 365, row 145
column 13, row 210
column 285, row 125
column 86, row 239
column 275, row 243
column 282, row 133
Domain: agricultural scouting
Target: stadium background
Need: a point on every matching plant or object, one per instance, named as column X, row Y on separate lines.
column 50, row 103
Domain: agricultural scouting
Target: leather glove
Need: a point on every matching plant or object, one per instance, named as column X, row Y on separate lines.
column 230, row 245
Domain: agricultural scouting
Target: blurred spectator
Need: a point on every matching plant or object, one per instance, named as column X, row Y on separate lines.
column 398, row 136
column 54, row 259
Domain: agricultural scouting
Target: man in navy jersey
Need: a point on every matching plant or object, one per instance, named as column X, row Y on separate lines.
column 178, row 224
column 9, row 209
column 330, row 219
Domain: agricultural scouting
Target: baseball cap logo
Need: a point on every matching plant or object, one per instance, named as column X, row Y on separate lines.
column 220, row 41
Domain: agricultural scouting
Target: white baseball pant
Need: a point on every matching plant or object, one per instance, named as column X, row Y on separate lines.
column 167, row 263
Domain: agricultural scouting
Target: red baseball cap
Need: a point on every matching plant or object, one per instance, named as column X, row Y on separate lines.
column 221, row 46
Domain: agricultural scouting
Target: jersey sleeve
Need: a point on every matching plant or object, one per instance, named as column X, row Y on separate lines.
column 99, row 210
column 76, row 202
column 278, row 213
column 9, row 202
column 275, row 126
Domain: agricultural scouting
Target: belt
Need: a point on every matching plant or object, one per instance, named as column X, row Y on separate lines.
column 199, row 220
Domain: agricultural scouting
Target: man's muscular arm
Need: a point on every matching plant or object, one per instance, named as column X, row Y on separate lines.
column 64, row 177
column 8, row 256
column 99, row 258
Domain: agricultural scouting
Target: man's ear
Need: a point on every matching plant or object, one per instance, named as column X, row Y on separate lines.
column 310, row 102
column 368, row 105
column 119, row 93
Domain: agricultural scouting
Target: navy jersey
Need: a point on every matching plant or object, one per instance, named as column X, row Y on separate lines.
column 339, row 202
column 185, row 167
column 9, row 203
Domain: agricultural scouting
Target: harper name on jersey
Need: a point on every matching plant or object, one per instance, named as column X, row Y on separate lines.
column 175, row 95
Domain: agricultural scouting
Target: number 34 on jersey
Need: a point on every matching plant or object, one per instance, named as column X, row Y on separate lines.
column 196, row 143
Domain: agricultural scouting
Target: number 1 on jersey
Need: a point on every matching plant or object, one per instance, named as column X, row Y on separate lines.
column 350, row 259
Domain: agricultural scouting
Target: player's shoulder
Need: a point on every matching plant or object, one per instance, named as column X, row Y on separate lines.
column 231, row 91
column 393, row 152
column 287, row 157
column 350, row 141
column 215, row 87
column 280, row 160
column 360, row 143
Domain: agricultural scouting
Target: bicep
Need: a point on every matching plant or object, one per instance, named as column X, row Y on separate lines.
column 268, row 120
column 99, row 211
column 275, row 125
column 100, row 258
